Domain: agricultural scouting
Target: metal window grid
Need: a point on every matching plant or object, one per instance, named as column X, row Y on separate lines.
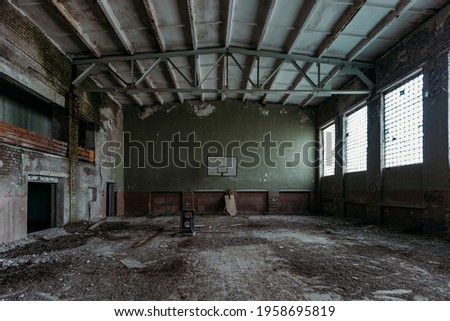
column 403, row 124
column 356, row 141
column 329, row 143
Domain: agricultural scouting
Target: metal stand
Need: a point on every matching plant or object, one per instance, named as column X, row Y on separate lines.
column 187, row 222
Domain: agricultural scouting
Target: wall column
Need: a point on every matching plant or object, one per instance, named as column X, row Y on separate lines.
column 435, row 145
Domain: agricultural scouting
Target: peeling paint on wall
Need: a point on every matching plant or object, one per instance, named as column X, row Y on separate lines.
column 169, row 110
column 109, row 124
column 304, row 117
column 265, row 178
column 148, row 111
column 25, row 161
column 232, row 124
column 202, row 109
column 264, row 112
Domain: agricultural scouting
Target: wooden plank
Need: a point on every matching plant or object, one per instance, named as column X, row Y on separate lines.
column 230, row 205
column 86, row 155
column 6, row 128
column 33, row 145
column 22, row 137
column 100, row 222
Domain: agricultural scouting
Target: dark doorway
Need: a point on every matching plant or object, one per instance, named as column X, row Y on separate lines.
column 110, row 199
column 41, row 206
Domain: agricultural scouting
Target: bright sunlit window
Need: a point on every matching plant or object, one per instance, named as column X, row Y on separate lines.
column 403, row 124
column 328, row 150
column 356, row 140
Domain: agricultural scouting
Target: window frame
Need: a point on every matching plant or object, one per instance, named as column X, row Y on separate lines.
column 386, row 91
column 347, row 114
column 322, row 149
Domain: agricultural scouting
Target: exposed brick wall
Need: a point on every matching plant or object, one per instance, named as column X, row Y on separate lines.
column 17, row 162
column 429, row 41
column 34, row 63
column 10, row 160
column 26, row 47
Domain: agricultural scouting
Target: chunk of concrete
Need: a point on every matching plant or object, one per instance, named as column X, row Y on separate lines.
column 132, row 264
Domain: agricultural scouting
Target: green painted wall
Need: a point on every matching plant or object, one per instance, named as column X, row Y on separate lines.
column 221, row 121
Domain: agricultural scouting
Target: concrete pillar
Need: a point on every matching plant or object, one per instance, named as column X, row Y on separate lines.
column 435, row 145
column 73, row 107
column 339, row 167
column 374, row 154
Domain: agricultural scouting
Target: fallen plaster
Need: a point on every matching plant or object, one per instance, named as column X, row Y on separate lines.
column 132, row 264
column 202, row 109
column 25, row 161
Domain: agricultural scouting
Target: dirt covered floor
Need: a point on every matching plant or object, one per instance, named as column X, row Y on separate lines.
column 230, row 258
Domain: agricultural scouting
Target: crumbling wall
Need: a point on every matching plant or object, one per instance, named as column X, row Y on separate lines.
column 89, row 180
column 31, row 63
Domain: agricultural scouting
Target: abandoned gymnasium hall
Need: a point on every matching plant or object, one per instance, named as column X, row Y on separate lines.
column 224, row 150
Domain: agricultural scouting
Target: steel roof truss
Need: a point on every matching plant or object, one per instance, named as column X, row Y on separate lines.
column 344, row 67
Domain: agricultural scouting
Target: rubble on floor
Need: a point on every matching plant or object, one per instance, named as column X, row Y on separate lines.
column 230, row 258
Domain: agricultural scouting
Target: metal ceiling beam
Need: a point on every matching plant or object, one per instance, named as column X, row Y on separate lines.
column 147, row 80
column 76, row 27
column 225, row 58
column 147, row 72
column 158, row 35
column 302, row 21
column 228, row 28
column 241, row 68
column 108, row 12
column 273, row 74
column 262, row 33
column 174, row 81
column 375, row 33
column 123, row 84
column 174, row 66
column 148, row 4
column 340, row 26
column 84, row 74
column 193, row 27
column 211, row 70
column 319, row 92
column 304, row 75
column 115, row 24
column 113, row 71
column 132, row 89
column 221, row 50
column 338, row 30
